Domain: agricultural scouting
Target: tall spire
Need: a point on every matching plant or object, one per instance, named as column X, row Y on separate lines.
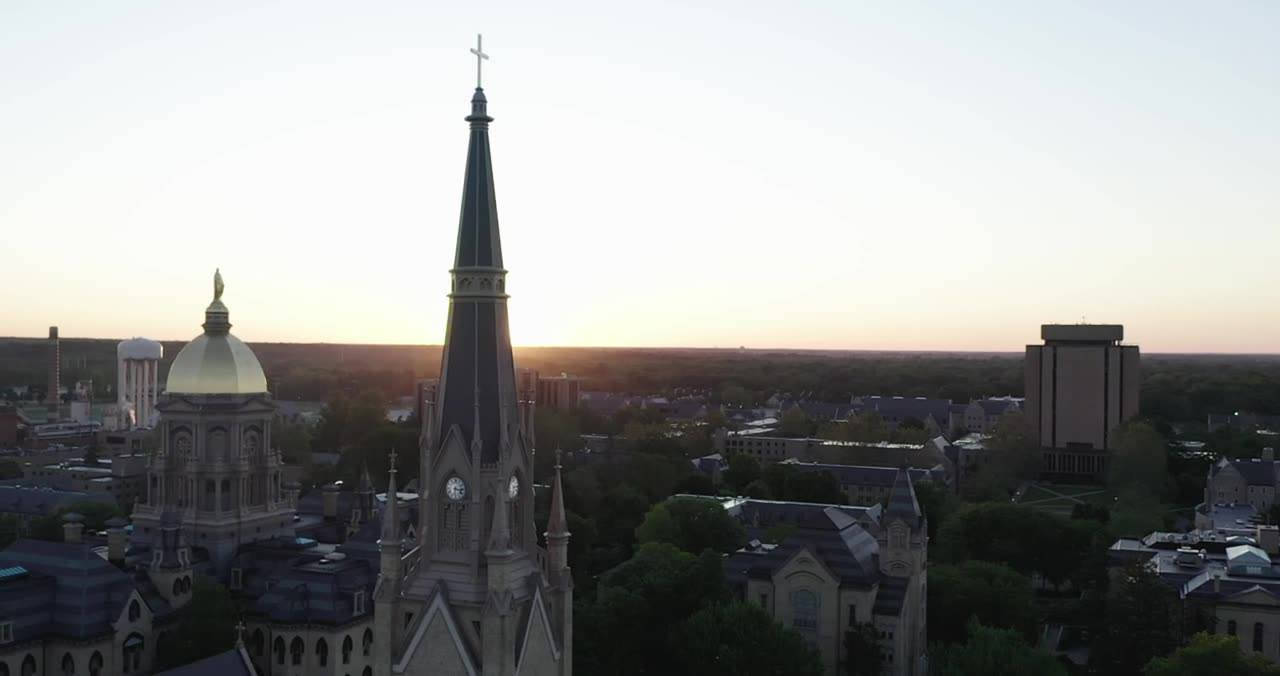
column 557, row 524
column 477, row 375
column 902, row 499
column 390, row 520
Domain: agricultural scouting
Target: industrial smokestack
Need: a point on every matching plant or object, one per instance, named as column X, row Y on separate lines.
column 55, row 361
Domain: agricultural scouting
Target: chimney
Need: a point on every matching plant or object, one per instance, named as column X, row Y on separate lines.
column 55, row 362
column 1269, row 539
column 330, row 495
column 117, row 541
column 1269, row 454
column 73, row 528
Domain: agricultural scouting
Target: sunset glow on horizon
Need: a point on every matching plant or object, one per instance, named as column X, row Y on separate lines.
column 829, row 177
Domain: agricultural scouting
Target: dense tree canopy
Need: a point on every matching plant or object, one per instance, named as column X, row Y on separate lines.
column 1026, row 539
column 995, row 594
column 693, row 525
column 1142, row 622
column 740, row 639
column 1210, row 655
column 991, row 652
column 207, row 626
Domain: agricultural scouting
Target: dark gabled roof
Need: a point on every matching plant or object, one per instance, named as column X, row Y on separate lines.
column 230, row 663
column 1256, row 473
column 862, row 475
column 823, row 410
column 995, row 406
column 41, row 501
column 907, row 407
column 891, row 596
column 71, row 591
column 844, row 547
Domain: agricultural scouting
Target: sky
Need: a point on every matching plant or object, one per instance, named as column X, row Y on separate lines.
column 836, row 175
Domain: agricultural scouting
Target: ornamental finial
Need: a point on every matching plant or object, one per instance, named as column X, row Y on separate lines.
column 217, row 284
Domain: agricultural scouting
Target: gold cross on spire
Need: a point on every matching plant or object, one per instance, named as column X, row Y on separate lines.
column 480, row 57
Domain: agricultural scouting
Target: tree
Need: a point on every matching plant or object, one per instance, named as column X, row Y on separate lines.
column 1026, row 539
column 1139, row 459
column 1141, row 622
column 822, row 487
column 207, row 626
column 1012, row 457
column 692, row 524
column 10, row 469
column 743, row 469
column 758, row 489
column 696, row 484
column 95, row 516
column 795, row 423
column 991, row 652
column 862, row 651
column 937, row 503
column 997, row 595
column 867, row 426
column 1210, row 655
column 740, row 639
column 636, row 605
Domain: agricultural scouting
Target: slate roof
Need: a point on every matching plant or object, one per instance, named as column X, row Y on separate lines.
column 1256, row 472
column 69, row 591
column 906, row 407
column 835, row 539
column 234, row 662
column 863, row 475
column 902, row 500
column 996, row 407
column 40, row 501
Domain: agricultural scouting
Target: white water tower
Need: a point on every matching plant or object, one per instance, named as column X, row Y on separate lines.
column 138, row 375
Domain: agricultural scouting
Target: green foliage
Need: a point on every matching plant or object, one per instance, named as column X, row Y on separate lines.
column 862, row 651
column 758, row 489
column 937, row 502
column 820, row 487
column 345, row 422
column 1138, row 460
column 207, row 626
column 740, row 639
column 795, row 423
column 695, row 484
column 991, row 652
column 868, row 426
column 1210, row 655
column 1023, row 537
column 1012, row 457
column 636, row 606
column 743, row 469
column 997, row 595
column 1141, row 622
column 692, row 524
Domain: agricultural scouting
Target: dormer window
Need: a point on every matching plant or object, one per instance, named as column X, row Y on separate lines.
column 357, row 603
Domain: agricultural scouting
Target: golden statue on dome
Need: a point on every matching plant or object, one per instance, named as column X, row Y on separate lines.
column 217, row 284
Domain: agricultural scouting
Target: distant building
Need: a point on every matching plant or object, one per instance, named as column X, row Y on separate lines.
column 120, row 477
column 137, row 381
column 1252, row 481
column 25, row 502
column 1080, row 386
column 559, row 392
column 933, row 414
column 981, row 415
column 1245, row 422
column 840, row 567
column 867, row 484
column 761, row 444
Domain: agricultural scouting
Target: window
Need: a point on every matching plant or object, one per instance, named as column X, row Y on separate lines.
column 259, row 642
column 29, row 666
column 408, row 617
column 296, row 649
column 357, row 602
column 68, row 665
column 368, row 671
column 278, row 647
column 804, row 608
column 368, row 642
column 346, row 650
column 322, row 652
column 95, row 664
column 1257, row 637
column 135, row 611
column 177, row 586
column 1231, row 628
column 236, row 578
column 6, row 632
column 4, row 669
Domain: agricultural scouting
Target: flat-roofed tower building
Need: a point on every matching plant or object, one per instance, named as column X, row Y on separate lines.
column 1080, row 385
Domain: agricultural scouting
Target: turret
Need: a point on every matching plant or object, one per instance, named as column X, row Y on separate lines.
column 559, row 575
column 388, row 632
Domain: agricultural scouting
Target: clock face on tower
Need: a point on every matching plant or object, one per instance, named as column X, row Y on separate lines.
column 513, row 487
column 455, row 488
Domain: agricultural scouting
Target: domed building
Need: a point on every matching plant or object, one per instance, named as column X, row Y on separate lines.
column 215, row 473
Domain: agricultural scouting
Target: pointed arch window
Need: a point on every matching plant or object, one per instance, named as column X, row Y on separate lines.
column 29, row 666
column 278, row 647
column 804, row 609
column 322, row 652
column 347, row 647
column 368, row 642
column 135, row 610
column 68, row 665
column 95, row 664
column 296, row 648
column 259, row 642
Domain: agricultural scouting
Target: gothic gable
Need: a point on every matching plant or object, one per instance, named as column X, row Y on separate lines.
column 805, row 565
column 538, row 652
column 437, row 647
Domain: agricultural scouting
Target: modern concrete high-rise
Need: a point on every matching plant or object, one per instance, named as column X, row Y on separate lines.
column 51, row 398
column 1080, row 385
column 559, row 392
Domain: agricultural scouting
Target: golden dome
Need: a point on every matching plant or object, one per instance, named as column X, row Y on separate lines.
column 216, row 362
